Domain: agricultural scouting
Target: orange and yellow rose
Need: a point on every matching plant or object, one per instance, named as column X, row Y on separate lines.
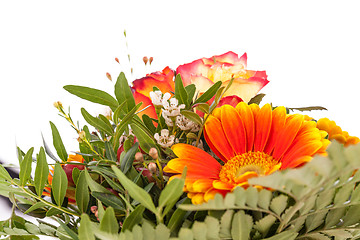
column 205, row 72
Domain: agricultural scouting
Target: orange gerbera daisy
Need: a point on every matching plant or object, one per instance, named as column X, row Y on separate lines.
column 250, row 142
column 68, row 168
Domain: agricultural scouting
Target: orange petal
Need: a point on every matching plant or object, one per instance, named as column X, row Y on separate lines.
column 299, row 151
column 217, row 137
column 278, row 122
column 146, row 102
column 263, row 127
column 247, row 117
column 233, row 128
column 210, row 194
column 287, row 134
column 202, row 185
column 220, row 185
column 183, row 150
column 145, row 85
column 195, row 169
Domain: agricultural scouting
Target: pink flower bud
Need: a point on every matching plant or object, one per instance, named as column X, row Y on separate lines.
column 153, row 153
column 116, row 59
column 152, row 167
column 150, row 60
column 108, row 76
column 145, row 60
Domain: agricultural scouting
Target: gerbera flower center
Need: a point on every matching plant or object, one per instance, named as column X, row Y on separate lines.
column 246, row 165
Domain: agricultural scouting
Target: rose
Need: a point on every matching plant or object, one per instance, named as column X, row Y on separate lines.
column 142, row 87
column 205, row 72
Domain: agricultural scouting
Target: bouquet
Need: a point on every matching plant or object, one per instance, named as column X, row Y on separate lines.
column 189, row 154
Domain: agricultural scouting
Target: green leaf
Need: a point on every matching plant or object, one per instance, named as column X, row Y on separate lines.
column 119, row 112
column 58, row 143
column 203, row 107
column 123, row 92
column 279, row 204
column 264, row 224
column 190, row 89
column 257, row 99
column 192, row 116
column 241, row 226
column 47, row 150
column 302, row 109
column 180, row 92
column 136, row 192
column 128, row 159
column 172, row 191
column 109, row 222
column 109, row 199
column 35, row 206
column 123, row 125
column 146, row 141
column 70, row 232
column 82, row 192
column 97, row 123
column 177, row 217
column 134, row 218
column 41, row 172
column 109, row 151
column 4, row 174
column 86, row 228
column 25, row 167
column 93, row 95
column 148, row 122
column 94, row 186
column 206, row 96
column 59, row 184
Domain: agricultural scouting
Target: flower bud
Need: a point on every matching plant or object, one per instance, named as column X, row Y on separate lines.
column 116, row 59
column 153, row 153
column 108, row 76
column 139, row 157
column 152, row 167
column 58, row 104
column 145, row 60
column 150, row 60
column 82, row 136
column 93, row 209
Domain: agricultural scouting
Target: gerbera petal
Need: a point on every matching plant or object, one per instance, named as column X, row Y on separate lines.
column 246, row 115
column 216, row 135
column 287, row 134
column 183, row 150
column 233, row 129
column 278, row 121
column 195, row 169
column 263, row 127
column 197, row 198
column 202, row 185
column 217, row 184
column 210, row 194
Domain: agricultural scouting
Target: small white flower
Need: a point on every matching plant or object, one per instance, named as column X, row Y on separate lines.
column 164, row 140
column 167, row 119
column 184, row 123
column 157, row 97
column 171, row 109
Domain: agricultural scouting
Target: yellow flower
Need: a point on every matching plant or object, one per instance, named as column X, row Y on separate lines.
column 250, row 141
column 336, row 133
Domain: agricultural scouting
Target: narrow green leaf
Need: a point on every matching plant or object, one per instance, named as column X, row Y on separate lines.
column 82, row 192
column 302, row 109
column 218, row 95
column 136, row 192
column 241, row 226
column 172, row 191
column 35, row 206
column 59, row 184
column 203, row 107
column 190, row 89
column 134, row 218
column 94, row 186
column 192, row 116
column 109, row 151
column 123, row 92
column 257, row 99
column 119, row 112
column 120, row 128
column 86, row 228
column 70, row 232
column 109, row 222
column 177, row 217
column 53, row 211
column 93, row 95
column 25, row 167
column 206, row 96
column 148, row 122
column 109, row 199
column 41, row 172
column 58, row 143
column 97, row 123
column 48, row 151
column 128, row 159
column 180, row 93
column 4, row 174
column 146, row 141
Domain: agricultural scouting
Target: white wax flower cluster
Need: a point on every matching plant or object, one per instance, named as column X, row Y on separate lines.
column 171, row 113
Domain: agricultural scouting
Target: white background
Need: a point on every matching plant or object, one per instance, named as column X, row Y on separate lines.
column 309, row 49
